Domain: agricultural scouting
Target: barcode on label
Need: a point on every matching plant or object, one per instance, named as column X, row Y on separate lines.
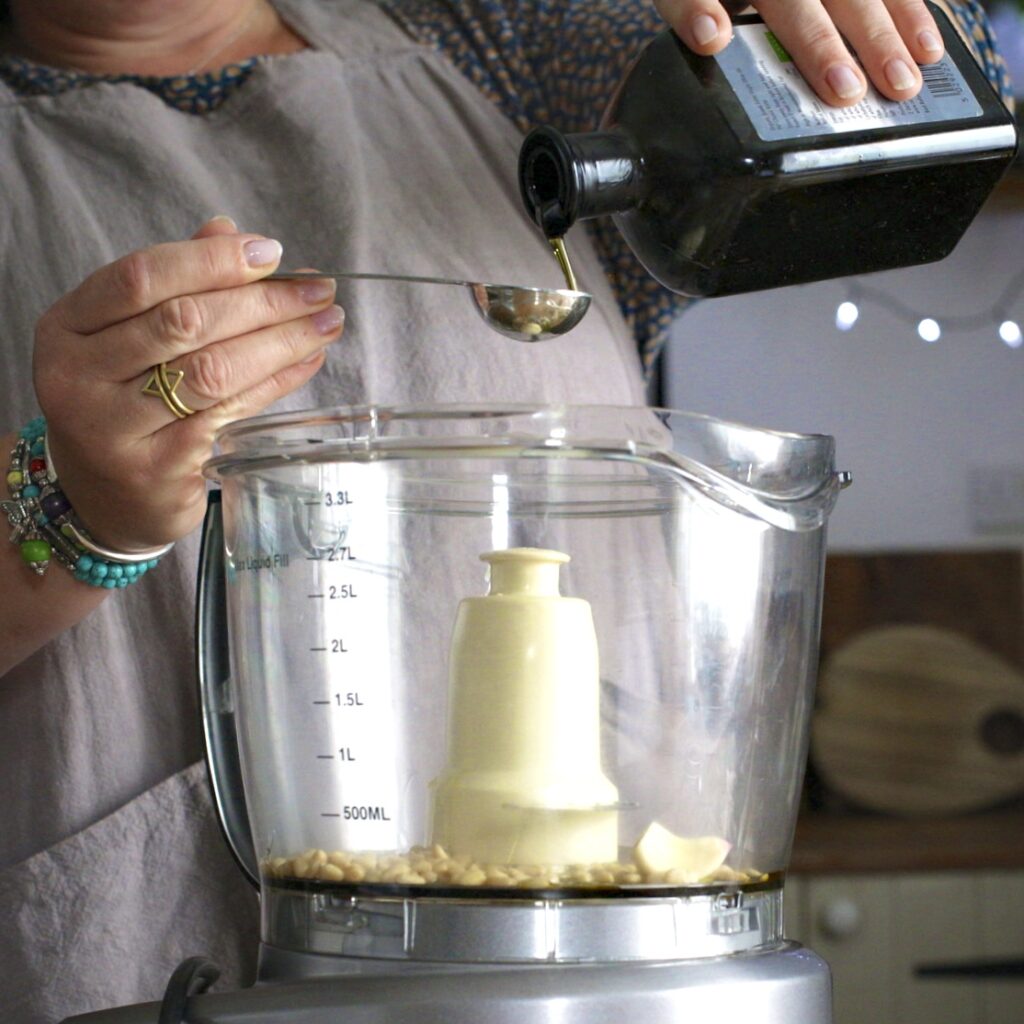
column 939, row 81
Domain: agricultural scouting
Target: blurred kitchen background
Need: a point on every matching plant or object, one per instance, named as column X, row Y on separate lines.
column 908, row 867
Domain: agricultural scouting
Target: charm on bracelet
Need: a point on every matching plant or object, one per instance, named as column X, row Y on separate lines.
column 23, row 511
column 44, row 526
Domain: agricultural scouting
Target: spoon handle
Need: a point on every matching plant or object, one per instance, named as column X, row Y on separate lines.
column 349, row 275
column 299, row 275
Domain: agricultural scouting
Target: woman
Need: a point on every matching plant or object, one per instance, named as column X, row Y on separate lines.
column 336, row 134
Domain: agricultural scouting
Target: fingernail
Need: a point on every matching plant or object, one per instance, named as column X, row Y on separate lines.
column 899, row 74
column 929, row 41
column 313, row 292
column 261, row 251
column 704, row 29
column 312, row 358
column 843, row 81
column 223, row 218
column 327, row 321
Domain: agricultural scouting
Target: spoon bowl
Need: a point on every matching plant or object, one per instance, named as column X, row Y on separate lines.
column 525, row 314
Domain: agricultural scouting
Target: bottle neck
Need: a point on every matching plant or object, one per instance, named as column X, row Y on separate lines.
column 565, row 178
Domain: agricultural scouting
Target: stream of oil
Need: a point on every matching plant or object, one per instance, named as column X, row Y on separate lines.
column 562, row 255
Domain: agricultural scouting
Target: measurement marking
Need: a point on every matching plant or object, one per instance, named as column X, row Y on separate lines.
column 324, row 757
column 311, row 504
column 324, row 814
column 311, row 596
column 321, row 702
column 314, row 558
column 318, row 648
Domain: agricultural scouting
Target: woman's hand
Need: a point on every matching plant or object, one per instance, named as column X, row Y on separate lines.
column 890, row 38
column 130, row 468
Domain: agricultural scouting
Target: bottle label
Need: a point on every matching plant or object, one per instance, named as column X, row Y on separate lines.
column 781, row 105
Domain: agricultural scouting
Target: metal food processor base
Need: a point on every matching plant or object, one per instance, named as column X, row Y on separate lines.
column 784, row 985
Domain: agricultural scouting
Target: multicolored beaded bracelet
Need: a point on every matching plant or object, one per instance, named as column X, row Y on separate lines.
column 44, row 523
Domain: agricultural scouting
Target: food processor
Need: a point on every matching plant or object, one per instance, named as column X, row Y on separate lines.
column 506, row 712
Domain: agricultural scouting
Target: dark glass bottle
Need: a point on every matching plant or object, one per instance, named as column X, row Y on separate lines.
column 726, row 175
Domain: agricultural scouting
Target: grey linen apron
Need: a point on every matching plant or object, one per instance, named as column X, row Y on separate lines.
column 366, row 151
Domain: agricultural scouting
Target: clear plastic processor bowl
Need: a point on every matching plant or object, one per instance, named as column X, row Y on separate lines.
column 527, row 653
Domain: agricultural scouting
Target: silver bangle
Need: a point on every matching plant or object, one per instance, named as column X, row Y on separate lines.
column 79, row 535
column 83, row 540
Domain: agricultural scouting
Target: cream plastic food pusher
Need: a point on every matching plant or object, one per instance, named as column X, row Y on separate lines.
column 523, row 783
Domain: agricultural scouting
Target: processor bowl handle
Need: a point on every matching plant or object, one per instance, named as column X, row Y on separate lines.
column 216, row 693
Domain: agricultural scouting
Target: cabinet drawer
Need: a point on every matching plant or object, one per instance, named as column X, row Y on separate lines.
column 876, row 930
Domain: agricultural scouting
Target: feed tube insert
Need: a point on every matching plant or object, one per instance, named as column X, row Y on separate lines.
column 523, row 782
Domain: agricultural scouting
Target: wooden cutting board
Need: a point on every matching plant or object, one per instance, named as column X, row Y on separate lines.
column 919, row 720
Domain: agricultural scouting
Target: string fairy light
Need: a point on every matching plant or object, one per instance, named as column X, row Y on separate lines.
column 930, row 329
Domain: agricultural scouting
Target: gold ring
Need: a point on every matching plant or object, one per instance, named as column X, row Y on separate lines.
column 162, row 383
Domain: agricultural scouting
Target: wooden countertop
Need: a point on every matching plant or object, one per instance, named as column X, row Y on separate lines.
column 848, row 843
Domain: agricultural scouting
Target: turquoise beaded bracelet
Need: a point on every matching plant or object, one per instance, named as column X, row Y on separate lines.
column 45, row 527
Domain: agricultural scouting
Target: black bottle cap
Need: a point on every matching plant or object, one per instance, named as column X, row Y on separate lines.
column 565, row 178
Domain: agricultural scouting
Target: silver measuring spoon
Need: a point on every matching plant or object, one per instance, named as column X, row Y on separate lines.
column 526, row 314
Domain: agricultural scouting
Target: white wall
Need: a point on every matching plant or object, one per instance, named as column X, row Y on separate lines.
column 912, row 420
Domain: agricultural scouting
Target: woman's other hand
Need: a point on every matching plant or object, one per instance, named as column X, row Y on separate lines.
column 890, row 38
column 129, row 466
